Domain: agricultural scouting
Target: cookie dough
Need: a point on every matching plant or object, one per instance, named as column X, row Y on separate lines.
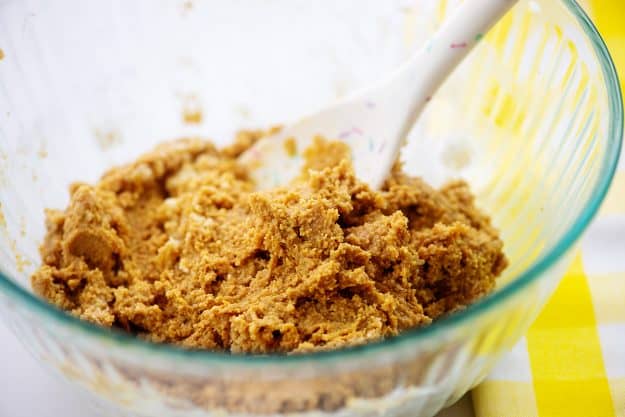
column 178, row 247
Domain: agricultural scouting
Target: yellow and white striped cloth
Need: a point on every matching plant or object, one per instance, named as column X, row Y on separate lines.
column 571, row 363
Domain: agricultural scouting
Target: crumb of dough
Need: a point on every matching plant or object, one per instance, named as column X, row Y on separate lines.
column 192, row 116
column 178, row 247
column 290, row 147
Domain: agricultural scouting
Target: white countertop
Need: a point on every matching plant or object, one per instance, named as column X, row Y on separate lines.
column 28, row 390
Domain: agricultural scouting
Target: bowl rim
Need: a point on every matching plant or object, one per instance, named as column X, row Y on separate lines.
column 117, row 338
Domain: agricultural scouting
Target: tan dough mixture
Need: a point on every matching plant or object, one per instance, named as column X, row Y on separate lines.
column 177, row 247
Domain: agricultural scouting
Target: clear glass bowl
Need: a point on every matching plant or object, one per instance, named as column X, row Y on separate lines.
column 533, row 120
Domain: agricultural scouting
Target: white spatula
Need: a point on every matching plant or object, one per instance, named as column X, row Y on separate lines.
column 376, row 120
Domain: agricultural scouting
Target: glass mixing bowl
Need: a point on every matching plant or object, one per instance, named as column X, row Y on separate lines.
column 533, row 120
